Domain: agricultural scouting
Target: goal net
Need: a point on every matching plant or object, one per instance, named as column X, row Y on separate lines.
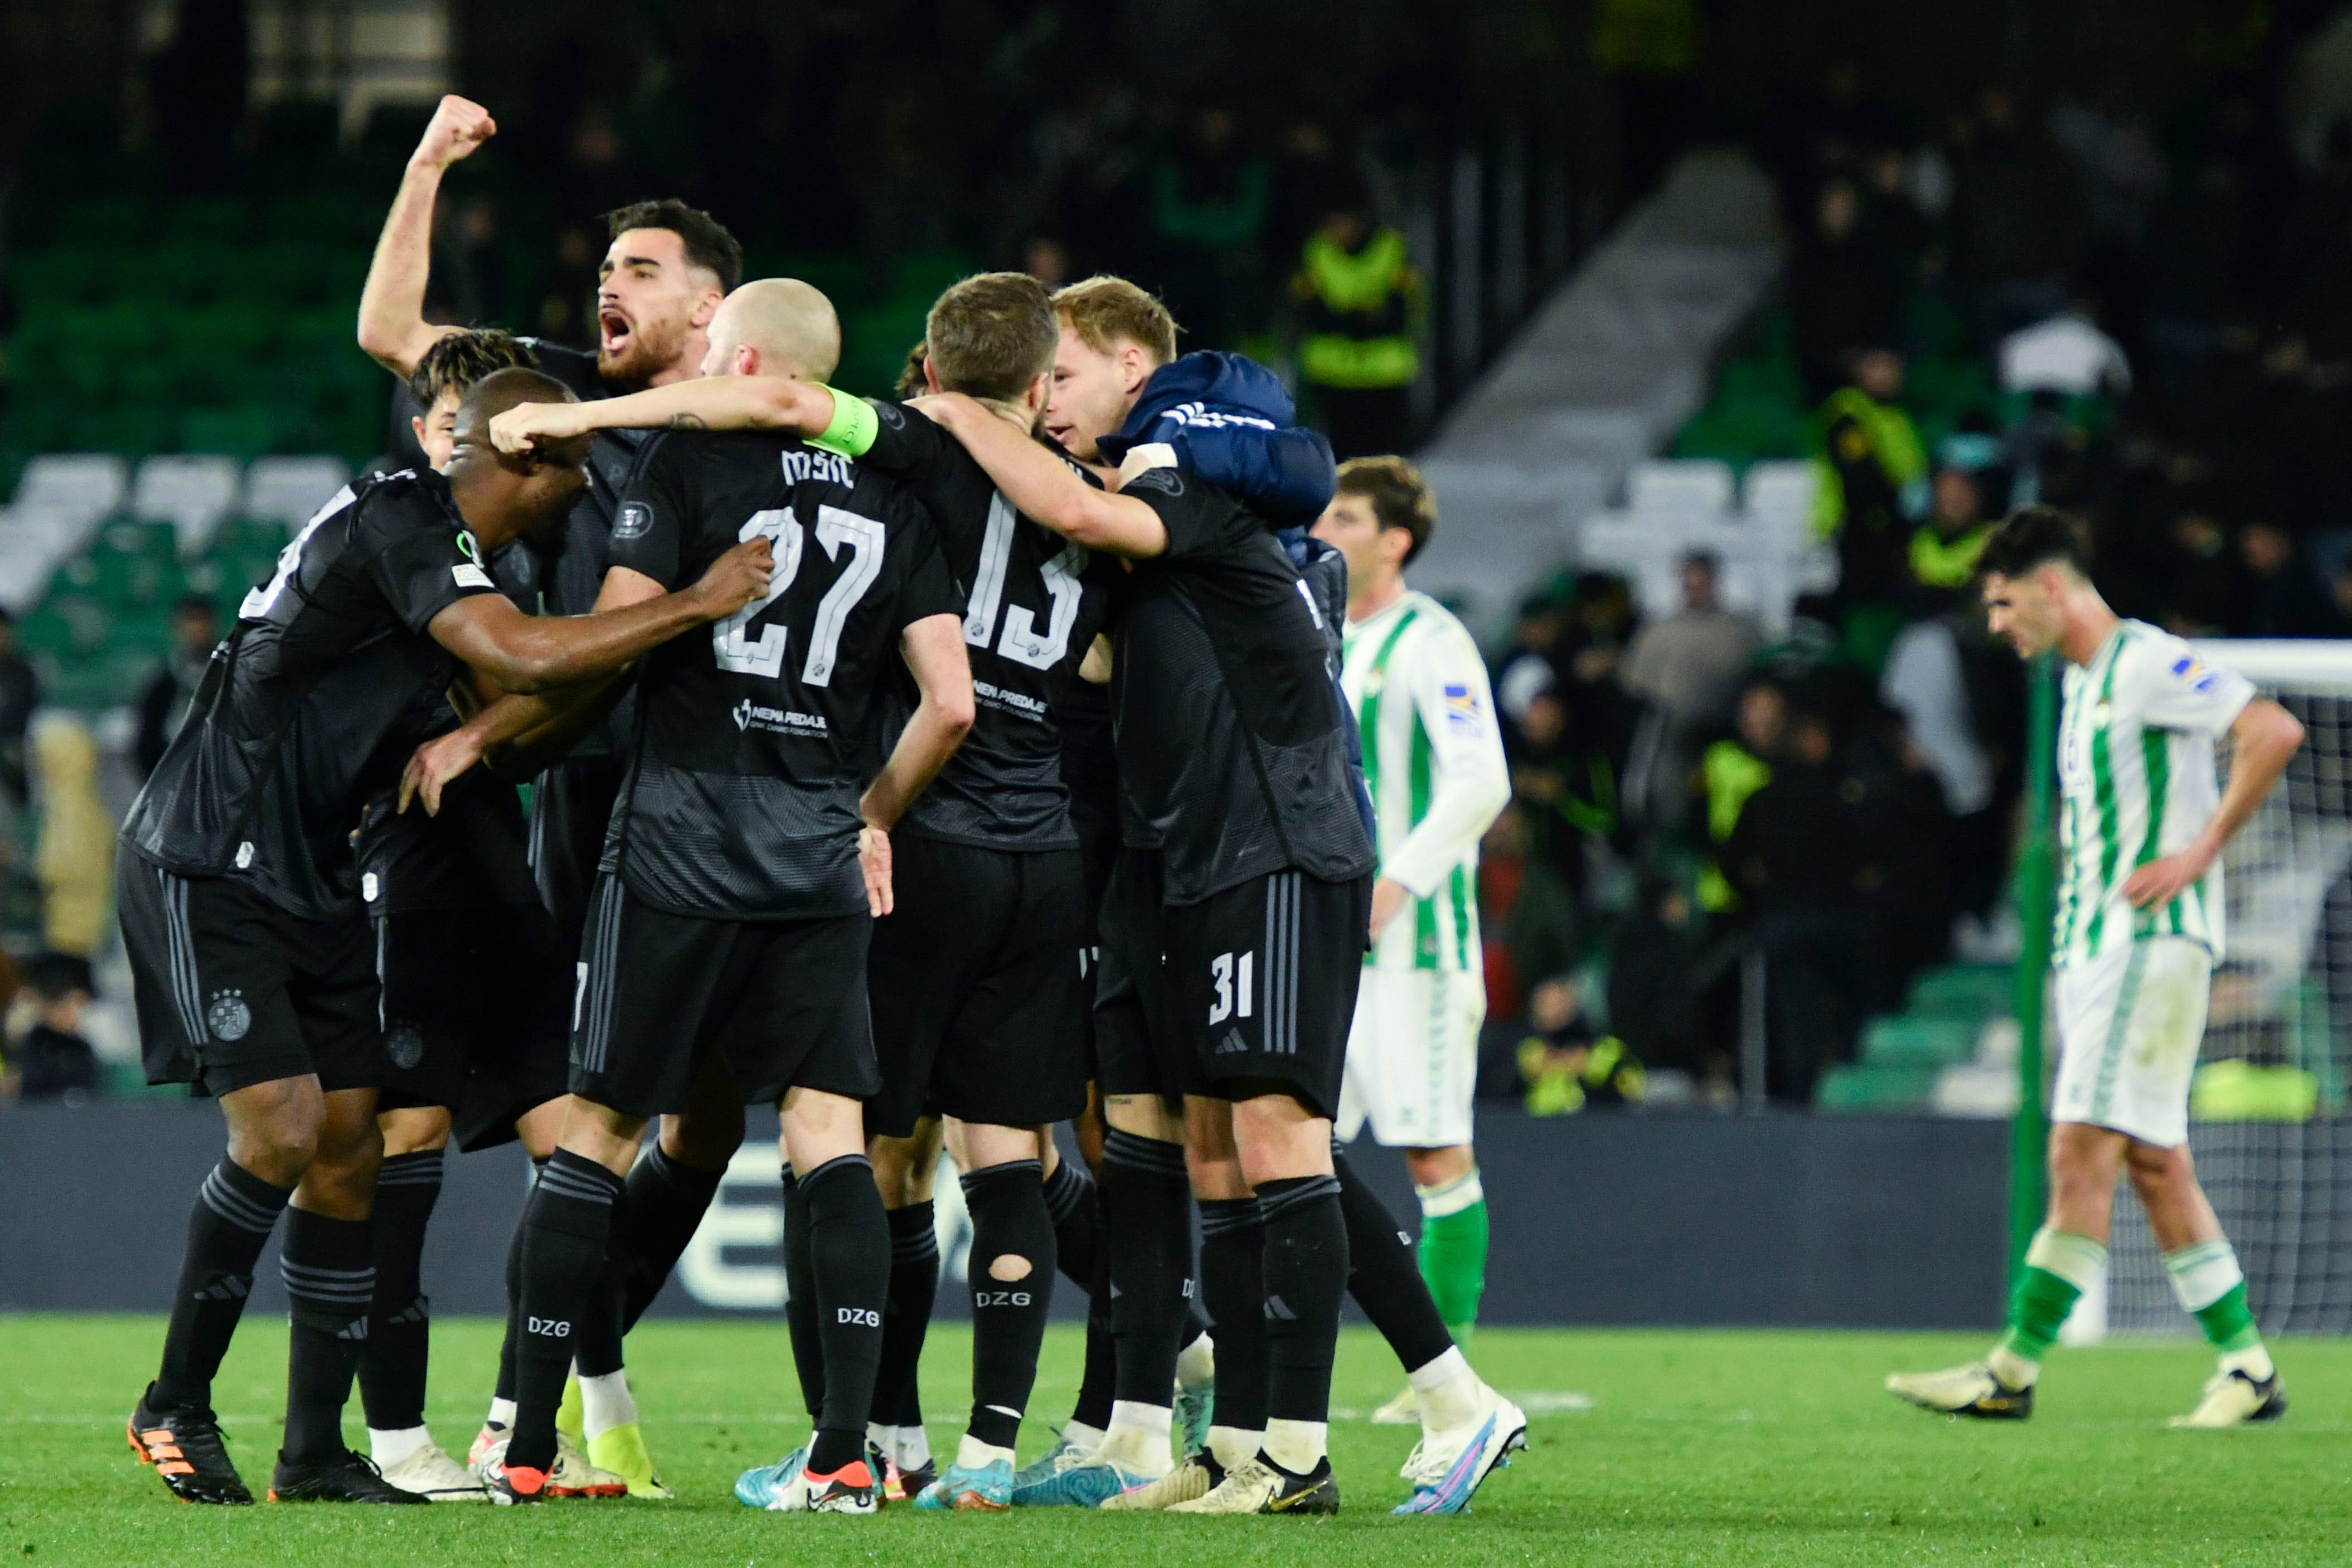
column 2269, row 1120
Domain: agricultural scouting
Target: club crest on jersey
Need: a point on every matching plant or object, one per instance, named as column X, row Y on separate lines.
column 634, row 520
column 228, row 1017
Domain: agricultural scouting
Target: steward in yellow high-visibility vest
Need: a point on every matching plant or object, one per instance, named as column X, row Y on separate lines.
column 1360, row 303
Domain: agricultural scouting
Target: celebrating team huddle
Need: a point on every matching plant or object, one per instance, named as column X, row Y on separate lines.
column 937, row 771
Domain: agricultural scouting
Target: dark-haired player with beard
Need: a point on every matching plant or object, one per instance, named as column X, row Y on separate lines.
column 667, row 268
column 250, row 959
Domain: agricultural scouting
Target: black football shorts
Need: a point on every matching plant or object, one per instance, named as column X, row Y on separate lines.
column 571, row 808
column 477, row 1012
column 1140, row 1047
column 782, row 1001
column 976, row 979
column 1255, row 984
column 232, row 991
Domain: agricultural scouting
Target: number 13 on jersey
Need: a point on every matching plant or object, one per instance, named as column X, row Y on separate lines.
column 741, row 653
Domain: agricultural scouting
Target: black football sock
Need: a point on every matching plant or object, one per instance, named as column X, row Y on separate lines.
column 1070, row 1201
column 1148, row 1205
column 597, row 1350
column 849, row 1256
column 234, row 1212
column 1305, row 1275
column 907, row 1320
column 667, row 1199
column 800, row 1298
column 1012, row 1288
column 565, row 1228
column 1099, row 1382
column 393, row 1357
column 508, row 1345
column 1232, row 1286
column 329, row 1266
column 1384, row 1274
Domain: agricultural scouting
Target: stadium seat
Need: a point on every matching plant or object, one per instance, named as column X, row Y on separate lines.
column 88, row 483
column 1679, row 487
column 1873, row 1089
column 1910, row 1042
column 191, row 493
column 1780, row 493
column 288, row 490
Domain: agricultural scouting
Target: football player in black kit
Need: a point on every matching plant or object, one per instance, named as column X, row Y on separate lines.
column 250, row 958
column 1246, row 864
column 976, row 979
column 744, row 867
column 666, row 269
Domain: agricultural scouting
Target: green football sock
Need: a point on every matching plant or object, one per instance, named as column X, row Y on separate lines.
column 2212, row 1289
column 2058, row 1267
column 1453, row 1249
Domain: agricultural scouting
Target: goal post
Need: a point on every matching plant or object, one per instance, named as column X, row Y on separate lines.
column 2271, row 1109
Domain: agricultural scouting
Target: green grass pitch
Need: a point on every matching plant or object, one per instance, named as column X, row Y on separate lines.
column 1721, row 1448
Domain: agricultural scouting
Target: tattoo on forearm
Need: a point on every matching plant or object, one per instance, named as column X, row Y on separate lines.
column 686, row 422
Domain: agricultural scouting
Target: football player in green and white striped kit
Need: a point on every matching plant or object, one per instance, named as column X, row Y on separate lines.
column 1434, row 760
column 2142, row 820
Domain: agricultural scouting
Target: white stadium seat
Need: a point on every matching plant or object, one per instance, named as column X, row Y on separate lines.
column 191, row 493
column 1685, row 488
column 88, row 484
column 289, row 489
column 1779, row 492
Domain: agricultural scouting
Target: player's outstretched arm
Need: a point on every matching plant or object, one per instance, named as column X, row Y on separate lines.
column 393, row 330
column 2263, row 736
column 706, row 403
column 1042, row 485
column 933, row 649
column 533, row 652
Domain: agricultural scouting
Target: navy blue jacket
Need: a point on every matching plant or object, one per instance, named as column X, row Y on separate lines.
column 1230, row 422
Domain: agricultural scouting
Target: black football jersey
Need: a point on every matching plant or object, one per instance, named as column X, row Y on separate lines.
column 752, row 739
column 1232, row 755
column 475, row 851
column 1034, row 602
column 326, row 660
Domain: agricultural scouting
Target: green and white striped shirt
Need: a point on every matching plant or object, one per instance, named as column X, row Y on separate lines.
column 2136, row 782
column 1434, row 760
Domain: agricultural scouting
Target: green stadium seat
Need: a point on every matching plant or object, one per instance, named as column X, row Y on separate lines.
column 208, row 220
column 1868, row 1088
column 104, row 220
column 1964, row 991
column 1908, row 1041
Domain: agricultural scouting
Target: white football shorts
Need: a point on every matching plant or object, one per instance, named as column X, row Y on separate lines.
column 1412, row 1058
column 2129, row 1023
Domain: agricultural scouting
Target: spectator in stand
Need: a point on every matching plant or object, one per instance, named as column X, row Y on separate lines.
column 2288, row 599
column 1873, row 479
column 1687, row 668
column 1210, row 195
column 1730, row 772
column 1566, row 1062
column 1926, row 682
column 1842, row 289
column 1600, row 622
column 196, row 627
column 1527, row 669
column 20, row 694
column 48, row 1059
column 1360, row 304
column 1798, row 858
column 1527, row 915
column 1656, row 1005
column 74, row 858
column 1961, row 513
column 1565, row 786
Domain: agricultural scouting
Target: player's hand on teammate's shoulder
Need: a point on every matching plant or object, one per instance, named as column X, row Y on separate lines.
column 874, row 859
column 735, row 578
column 458, row 126
column 528, row 424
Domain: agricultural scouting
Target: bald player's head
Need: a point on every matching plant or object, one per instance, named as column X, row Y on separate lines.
column 502, row 495
column 500, row 391
column 774, row 326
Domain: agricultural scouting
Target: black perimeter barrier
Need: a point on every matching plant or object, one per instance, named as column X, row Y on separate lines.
column 1794, row 1221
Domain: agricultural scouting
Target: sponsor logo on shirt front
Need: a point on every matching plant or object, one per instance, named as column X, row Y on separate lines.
column 1009, row 701
column 750, row 714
